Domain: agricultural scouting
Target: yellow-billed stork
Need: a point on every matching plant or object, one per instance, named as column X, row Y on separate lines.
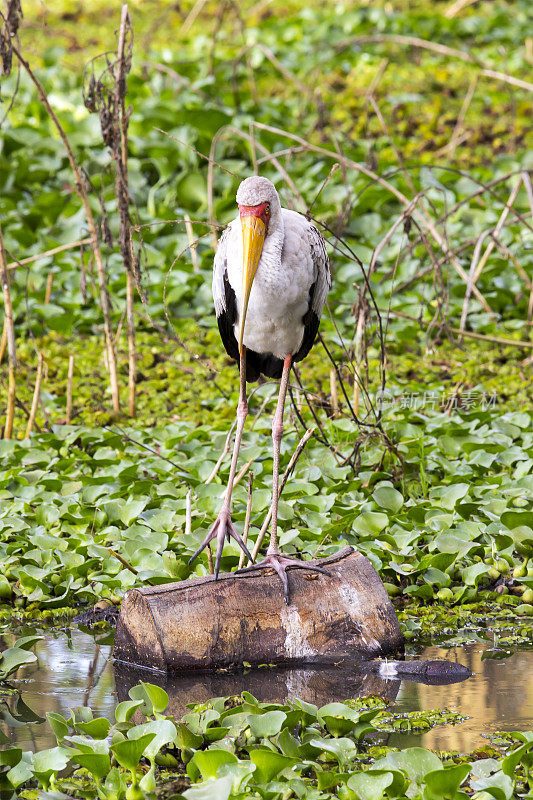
column 270, row 281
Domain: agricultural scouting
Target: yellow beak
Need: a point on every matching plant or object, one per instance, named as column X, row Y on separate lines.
column 253, row 236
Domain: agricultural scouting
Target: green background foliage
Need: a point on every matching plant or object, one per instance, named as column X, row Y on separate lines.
column 443, row 505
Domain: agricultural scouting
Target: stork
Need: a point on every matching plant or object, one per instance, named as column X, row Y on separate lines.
column 270, row 281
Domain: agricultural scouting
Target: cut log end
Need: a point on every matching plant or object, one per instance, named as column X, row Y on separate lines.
column 203, row 624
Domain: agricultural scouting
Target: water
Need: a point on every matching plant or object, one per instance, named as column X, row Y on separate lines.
column 74, row 668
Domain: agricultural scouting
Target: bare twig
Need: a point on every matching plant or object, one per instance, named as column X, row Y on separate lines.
column 457, row 7
column 68, row 413
column 82, row 193
column 3, row 340
column 225, row 450
column 36, row 397
column 436, row 47
column 292, row 463
column 471, row 334
column 248, row 515
column 334, row 395
column 478, row 263
column 119, row 148
column 529, row 191
column 9, row 328
column 188, row 513
column 123, row 561
column 425, row 219
column 454, row 140
column 192, row 243
column 48, row 290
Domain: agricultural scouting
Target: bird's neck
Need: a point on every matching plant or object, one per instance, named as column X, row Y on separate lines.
column 273, row 245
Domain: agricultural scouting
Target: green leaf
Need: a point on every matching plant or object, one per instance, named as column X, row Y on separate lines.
column 58, row 724
column 49, row 762
column 266, row 724
column 97, row 728
column 155, row 698
column 219, row 789
column 499, row 785
column 208, row 761
column 343, row 749
column 370, row 785
column 10, row 757
column 125, row 710
column 414, row 761
column 388, row 497
column 164, row 732
column 98, row 764
column 187, row 739
column 130, row 511
column 129, row 752
column 445, row 783
column 269, row 764
column 13, row 658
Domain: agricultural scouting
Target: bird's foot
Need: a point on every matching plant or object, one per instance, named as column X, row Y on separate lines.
column 280, row 564
column 222, row 529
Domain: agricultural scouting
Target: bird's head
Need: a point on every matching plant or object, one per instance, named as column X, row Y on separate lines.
column 258, row 202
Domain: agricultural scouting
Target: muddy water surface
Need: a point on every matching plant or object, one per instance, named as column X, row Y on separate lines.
column 74, row 668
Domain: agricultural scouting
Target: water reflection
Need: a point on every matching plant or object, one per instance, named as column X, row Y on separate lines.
column 73, row 669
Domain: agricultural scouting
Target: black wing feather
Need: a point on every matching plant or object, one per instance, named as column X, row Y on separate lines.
column 256, row 363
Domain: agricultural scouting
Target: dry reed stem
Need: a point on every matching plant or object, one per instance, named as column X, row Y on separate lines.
column 478, row 263
column 82, row 193
column 471, row 334
column 124, row 562
column 120, row 153
column 425, row 219
column 247, row 518
column 188, row 513
column 357, row 379
column 3, row 341
column 436, row 47
column 457, row 7
column 48, row 290
column 9, row 328
column 497, row 229
column 132, row 365
column 333, row 392
column 223, row 455
column 242, row 472
column 191, row 16
column 68, row 413
column 454, row 139
column 52, row 252
column 286, row 475
column 36, row 397
column 192, row 242
column 529, row 191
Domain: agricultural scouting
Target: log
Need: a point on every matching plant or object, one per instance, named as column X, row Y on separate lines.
column 203, row 624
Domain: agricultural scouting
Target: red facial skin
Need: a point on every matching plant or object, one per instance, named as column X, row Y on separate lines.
column 262, row 211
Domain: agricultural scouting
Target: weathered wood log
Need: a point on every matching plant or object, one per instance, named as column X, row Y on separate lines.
column 203, row 624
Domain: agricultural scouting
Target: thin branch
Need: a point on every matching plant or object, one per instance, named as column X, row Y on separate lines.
column 292, row 463
column 47, row 253
column 82, row 193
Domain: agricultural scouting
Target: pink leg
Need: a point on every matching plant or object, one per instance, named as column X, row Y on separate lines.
column 274, row 559
column 223, row 527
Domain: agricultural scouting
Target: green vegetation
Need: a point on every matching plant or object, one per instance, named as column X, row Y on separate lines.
column 240, row 748
column 406, row 130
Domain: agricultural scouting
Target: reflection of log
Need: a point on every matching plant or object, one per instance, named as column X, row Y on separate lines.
column 207, row 624
column 313, row 685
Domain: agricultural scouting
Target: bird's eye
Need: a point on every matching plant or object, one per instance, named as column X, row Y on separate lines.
column 268, row 208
